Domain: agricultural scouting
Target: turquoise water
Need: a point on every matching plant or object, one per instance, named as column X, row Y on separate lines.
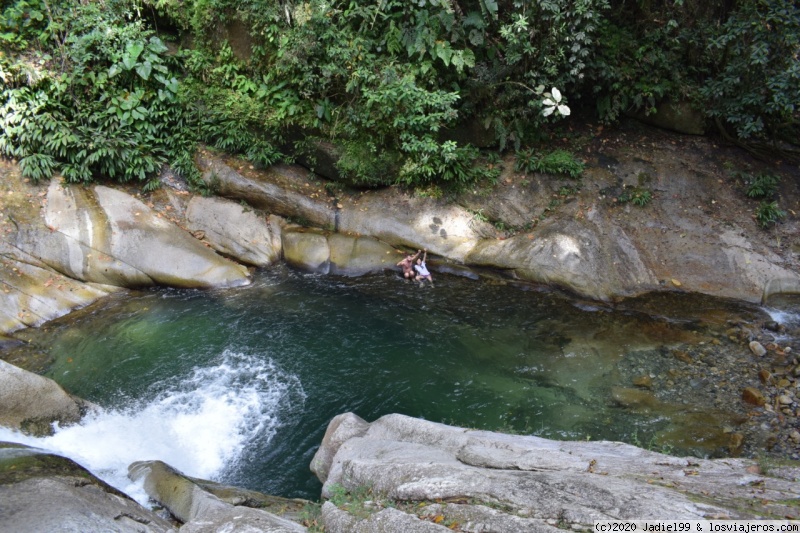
column 239, row 385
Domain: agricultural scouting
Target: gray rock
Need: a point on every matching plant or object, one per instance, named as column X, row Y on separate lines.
column 779, row 286
column 340, row 429
column 534, row 479
column 34, row 293
column 235, row 230
column 43, row 492
column 276, row 191
column 443, row 229
column 201, row 511
column 386, row 520
column 103, row 235
column 570, row 254
column 32, row 403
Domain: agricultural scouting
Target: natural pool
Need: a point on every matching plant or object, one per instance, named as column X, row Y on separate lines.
column 239, row 385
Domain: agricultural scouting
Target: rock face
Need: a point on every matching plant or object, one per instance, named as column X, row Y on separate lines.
column 235, row 230
column 34, row 293
column 675, row 116
column 63, row 247
column 67, row 246
column 336, row 253
column 43, row 492
column 199, row 510
column 570, row 254
column 504, row 482
column 695, row 235
column 31, row 403
column 106, row 236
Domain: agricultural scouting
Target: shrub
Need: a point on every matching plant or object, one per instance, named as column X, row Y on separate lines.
column 761, row 185
column 104, row 105
column 558, row 162
column 638, row 196
column 768, row 214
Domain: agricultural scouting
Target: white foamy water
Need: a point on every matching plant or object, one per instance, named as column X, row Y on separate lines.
column 200, row 425
column 790, row 319
column 782, row 316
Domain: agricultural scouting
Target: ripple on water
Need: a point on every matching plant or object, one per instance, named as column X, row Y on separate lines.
column 240, row 384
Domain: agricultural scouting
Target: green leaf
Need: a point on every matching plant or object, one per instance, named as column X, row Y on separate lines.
column 132, row 52
column 144, row 70
column 156, row 45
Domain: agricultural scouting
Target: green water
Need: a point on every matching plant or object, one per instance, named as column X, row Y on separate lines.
column 467, row 353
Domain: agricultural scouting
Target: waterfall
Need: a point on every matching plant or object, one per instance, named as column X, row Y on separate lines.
column 200, row 424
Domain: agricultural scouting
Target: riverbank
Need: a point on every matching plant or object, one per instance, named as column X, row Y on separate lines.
column 66, row 247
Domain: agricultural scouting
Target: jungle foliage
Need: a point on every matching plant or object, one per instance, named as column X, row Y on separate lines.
column 90, row 89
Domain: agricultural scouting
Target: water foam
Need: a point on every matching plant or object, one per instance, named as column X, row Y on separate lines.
column 200, row 425
column 783, row 316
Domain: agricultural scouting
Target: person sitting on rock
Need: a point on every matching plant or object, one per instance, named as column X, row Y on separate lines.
column 407, row 264
column 422, row 270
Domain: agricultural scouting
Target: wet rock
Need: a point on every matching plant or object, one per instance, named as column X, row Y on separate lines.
column 645, row 382
column 753, row 396
column 634, row 398
column 200, row 510
column 44, row 492
column 773, row 326
column 682, row 356
column 757, row 348
column 336, row 253
column 764, row 376
column 785, row 399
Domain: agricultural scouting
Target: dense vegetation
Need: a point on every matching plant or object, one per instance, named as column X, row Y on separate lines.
column 91, row 90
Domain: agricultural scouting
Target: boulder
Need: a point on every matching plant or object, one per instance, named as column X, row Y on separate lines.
column 33, row 293
column 574, row 254
column 356, row 256
column 501, row 482
column 382, row 520
column 32, row 403
column 307, row 250
column 277, row 190
column 680, row 117
column 335, row 253
column 201, row 511
column 235, row 230
column 104, row 235
column 444, row 229
column 780, row 286
column 340, row 429
column 45, row 492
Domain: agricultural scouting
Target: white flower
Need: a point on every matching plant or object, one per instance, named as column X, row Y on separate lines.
column 552, row 103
